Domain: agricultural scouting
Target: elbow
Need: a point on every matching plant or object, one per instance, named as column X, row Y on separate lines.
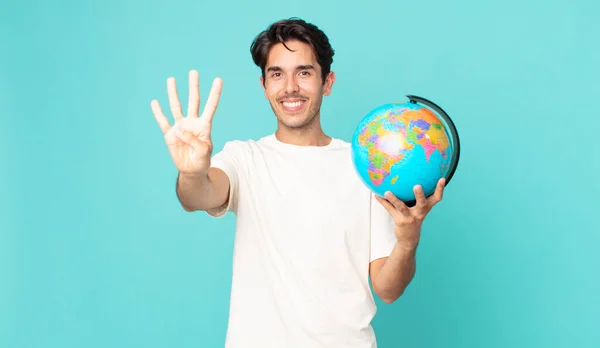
column 389, row 299
column 388, row 296
column 188, row 208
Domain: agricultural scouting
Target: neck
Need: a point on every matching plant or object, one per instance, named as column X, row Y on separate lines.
column 310, row 135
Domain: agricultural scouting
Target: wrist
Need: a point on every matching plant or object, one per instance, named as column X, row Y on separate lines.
column 407, row 237
column 187, row 180
column 193, row 175
column 406, row 245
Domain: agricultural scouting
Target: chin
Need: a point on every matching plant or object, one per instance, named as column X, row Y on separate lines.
column 289, row 122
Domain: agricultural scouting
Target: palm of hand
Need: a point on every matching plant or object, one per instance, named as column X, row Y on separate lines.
column 189, row 139
column 186, row 158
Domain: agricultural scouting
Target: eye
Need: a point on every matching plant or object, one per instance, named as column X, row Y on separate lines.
column 276, row 74
column 305, row 73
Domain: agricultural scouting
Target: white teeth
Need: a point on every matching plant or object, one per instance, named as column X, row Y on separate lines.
column 292, row 105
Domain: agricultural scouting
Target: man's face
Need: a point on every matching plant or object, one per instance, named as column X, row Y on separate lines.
column 293, row 84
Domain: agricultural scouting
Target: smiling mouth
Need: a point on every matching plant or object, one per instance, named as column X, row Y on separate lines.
column 293, row 105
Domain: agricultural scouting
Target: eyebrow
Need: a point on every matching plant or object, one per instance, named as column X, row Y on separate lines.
column 299, row 67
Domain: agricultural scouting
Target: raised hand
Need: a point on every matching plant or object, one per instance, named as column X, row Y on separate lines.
column 189, row 140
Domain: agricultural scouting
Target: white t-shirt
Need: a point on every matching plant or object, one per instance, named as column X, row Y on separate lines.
column 307, row 228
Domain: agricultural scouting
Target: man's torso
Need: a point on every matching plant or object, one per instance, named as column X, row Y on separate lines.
column 301, row 254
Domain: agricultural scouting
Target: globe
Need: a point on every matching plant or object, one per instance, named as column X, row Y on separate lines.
column 399, row 145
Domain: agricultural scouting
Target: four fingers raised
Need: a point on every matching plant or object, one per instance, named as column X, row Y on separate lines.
column 193, row 102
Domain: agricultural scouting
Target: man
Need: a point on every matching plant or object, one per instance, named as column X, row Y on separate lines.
column 309, row 234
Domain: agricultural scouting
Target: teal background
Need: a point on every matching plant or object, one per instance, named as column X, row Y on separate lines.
column 96, row 252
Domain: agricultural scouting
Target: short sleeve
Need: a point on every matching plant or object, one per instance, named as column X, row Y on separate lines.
column 383, row 237
column 229, row 160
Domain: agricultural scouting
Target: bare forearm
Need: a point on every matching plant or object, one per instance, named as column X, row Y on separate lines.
column 198, row 192
column 396, row 273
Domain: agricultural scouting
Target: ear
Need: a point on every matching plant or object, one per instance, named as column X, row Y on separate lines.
column 262, row 85
column 329, row 81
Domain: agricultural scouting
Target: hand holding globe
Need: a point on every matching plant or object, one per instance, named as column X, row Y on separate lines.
column 408, row 220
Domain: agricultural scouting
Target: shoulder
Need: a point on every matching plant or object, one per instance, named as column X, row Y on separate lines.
column 340, row 144
column 340, row 147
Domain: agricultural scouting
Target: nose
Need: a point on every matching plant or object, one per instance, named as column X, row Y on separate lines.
column 291, row 86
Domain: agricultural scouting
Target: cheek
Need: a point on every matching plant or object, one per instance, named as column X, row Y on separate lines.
column 272, row 90
column 269, row 93
column 309, row 88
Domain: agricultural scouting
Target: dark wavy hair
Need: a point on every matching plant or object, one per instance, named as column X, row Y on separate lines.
column 293, row 29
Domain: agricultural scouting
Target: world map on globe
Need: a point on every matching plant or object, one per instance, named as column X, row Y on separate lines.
column 397, row 146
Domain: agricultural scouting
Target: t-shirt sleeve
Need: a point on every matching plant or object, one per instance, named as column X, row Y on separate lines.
column 229, row 160
column 383, row 237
